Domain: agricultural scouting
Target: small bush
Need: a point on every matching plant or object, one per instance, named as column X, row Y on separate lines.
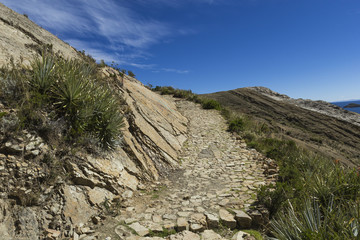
column 236, row 125
column 167, row 90
column 106, row 121
column 12, row 85
column 131, row 74
column 210, row 104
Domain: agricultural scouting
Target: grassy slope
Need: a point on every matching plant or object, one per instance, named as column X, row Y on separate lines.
column 314, row 131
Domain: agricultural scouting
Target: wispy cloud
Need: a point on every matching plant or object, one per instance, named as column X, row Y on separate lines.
column 175, row 70
column 177, row 3
column 107, row 29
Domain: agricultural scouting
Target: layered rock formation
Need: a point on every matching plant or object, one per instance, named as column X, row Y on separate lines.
column 49, row 192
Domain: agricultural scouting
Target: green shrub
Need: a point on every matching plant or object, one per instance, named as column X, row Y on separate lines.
column 236, row 125
column 131, row 74
column 166, row 90
column 12, row 85
column 182, row 93
column 210, row 104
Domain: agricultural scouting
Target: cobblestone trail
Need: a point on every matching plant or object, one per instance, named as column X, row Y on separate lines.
column 217, row 173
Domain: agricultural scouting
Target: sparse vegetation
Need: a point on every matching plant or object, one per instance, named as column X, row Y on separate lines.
column 236, row 125
column 163, row 234
column 188, row 95
column 210, row 104
column 131, row 74
column 64, row 89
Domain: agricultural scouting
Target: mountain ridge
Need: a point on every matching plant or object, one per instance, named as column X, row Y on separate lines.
column 319, row 106
column 316, row 125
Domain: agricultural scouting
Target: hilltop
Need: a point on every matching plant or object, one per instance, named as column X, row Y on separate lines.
column 316, row 125
column 352, row 105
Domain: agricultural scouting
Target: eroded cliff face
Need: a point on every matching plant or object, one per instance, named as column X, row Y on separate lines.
column 47, row 191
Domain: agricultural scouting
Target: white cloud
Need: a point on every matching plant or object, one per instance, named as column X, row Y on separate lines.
column 175, row 70
column 106, row 29
column 177, row 3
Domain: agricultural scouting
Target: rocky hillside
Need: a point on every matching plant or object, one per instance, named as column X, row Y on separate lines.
column 22, row 39
column 316, row 125
column 316, row 106
column 50, row 191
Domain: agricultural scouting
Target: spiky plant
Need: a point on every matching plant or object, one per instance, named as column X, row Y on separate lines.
column 72, row 93
column 337, row 220
column 43, row 70
column 106, row 121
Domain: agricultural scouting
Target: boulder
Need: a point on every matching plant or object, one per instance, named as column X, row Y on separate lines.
column 242, row 236
column 195, row 227
column 212, row 220
column 97, row 196
column 227, row 219
column 182, row 224
column 243, row 219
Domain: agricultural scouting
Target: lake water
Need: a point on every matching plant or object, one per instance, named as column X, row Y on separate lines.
column 342, row 104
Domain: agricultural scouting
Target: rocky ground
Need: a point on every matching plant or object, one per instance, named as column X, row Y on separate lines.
column 208, row 197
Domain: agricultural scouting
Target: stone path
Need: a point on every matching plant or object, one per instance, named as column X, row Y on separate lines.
column 217, row 173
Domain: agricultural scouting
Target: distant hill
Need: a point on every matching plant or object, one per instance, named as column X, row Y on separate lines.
column 316, row 125
column 352, row 105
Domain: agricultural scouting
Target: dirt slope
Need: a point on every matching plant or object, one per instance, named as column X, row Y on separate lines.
column 336, row 138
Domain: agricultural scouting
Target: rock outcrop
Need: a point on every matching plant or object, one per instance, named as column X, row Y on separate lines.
column 21, row 39
column 53, row 193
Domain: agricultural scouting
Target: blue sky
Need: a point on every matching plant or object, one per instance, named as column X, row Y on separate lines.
column 302, row 48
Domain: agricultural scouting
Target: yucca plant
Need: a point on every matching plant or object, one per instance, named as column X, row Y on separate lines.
column 109, row 131
column 337, row 220
column 72, row 93
column 106, row 121
column 43, row 70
